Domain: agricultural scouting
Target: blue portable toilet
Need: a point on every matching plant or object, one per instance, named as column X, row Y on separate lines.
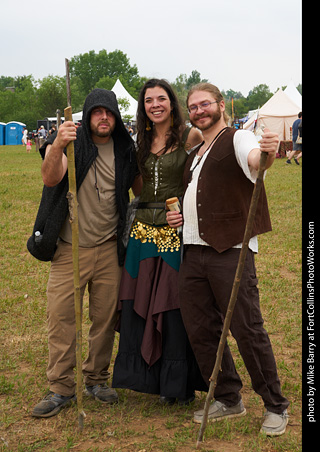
column 14, row 132
column 2, row 132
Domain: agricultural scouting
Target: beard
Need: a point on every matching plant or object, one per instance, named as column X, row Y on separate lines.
column 104, row 132
column 214, row 119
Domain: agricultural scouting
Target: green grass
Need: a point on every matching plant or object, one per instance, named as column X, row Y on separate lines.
column 138, row 422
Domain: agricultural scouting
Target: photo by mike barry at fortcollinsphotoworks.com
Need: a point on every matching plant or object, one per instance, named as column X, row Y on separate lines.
column 310, row 331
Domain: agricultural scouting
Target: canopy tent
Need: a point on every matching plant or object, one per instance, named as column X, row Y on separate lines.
column 76, row 117
column 277, row 114
column 121, row 93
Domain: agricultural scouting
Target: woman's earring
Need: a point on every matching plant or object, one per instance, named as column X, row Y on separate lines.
column 171, row 119
column 148, row 128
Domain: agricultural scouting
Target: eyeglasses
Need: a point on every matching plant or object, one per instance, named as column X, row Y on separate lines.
column 203, row 106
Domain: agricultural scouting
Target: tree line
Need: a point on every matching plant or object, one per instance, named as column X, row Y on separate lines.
column 26, row 100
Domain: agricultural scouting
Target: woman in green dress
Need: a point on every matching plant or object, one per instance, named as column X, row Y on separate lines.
column 154, row 352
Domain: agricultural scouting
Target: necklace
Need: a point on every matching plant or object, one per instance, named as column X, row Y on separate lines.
column 200, row 158
column 159, row 153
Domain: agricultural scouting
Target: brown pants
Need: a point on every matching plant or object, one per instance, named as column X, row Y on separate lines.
column 205, row 283
column 99, row 269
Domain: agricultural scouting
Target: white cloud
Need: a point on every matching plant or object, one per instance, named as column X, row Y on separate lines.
column 234, row 44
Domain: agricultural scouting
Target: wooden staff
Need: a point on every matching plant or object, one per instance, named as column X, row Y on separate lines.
column 234, row 292
column 73, row 211
column 58, row 113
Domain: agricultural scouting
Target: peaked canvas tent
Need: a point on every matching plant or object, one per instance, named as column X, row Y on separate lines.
column 121, row 93
column 292, row 92
column 277, row 114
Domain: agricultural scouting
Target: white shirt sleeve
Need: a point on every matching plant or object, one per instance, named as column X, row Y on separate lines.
column 244, row 141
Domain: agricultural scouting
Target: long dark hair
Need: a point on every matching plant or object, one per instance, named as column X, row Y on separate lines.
column 144, row 136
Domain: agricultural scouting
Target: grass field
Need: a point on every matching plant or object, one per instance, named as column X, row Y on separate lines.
column 138, row 422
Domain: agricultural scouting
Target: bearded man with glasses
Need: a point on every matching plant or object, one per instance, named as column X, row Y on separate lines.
column 219, row 179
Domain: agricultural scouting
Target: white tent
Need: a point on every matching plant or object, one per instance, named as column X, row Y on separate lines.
column 277, row 114
column 121, row 93
column 76, row 116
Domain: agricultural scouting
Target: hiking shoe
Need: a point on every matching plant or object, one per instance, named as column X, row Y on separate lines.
column 102, row 393
column 274, row 424
column 51, row 404
column 218, row 411
column 296, row 161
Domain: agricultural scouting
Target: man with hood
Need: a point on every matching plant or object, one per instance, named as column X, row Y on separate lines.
column 105, row 170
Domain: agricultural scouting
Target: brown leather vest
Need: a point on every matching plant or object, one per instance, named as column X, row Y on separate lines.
column 224, row 195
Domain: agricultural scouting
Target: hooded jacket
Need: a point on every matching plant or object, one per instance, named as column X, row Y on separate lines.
column 53, row 207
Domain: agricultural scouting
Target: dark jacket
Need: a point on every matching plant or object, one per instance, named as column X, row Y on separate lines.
column 224, row 195
column 295, row 129
column 53, row 207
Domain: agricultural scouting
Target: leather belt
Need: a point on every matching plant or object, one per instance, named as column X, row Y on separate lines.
column 152, row 205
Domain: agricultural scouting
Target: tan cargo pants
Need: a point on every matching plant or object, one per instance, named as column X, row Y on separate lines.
column 99, row 270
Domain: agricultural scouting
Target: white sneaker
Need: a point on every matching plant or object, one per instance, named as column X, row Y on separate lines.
column 218, row 411
column 274, row 424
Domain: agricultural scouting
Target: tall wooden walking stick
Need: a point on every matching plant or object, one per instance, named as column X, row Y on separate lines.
column 58, row 113
column 234, row 292
column 73, row 211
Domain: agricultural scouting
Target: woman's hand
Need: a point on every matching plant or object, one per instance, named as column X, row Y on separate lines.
column 174, row 219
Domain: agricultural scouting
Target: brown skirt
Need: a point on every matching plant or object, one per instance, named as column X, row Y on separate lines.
column 154, row 353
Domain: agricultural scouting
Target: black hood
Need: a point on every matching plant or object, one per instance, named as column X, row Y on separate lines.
column 107, row 99
column 97, row 98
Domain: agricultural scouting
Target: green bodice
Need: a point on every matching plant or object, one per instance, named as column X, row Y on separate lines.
column 164, row 181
